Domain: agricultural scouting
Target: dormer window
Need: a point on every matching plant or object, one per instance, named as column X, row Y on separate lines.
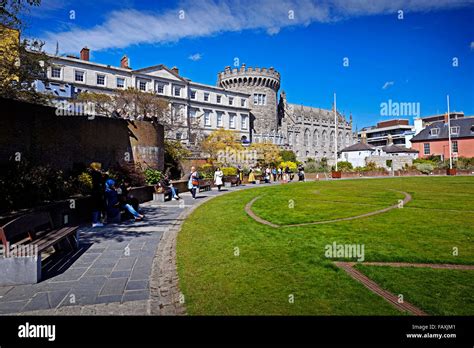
column 434, row 131
column 455, row 130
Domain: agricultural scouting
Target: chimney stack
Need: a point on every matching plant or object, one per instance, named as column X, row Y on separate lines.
column 85, row 54
column 175, row 70
column 446, row 118
column 124, row 62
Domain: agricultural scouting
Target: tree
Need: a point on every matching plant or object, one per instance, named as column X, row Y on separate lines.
column 268, row 154
column 288, row 155
column 174, row 154
column 22, row 62
column 104, row 103
column 219, row 141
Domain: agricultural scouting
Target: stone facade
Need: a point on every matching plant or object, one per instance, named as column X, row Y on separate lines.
column 308, row 131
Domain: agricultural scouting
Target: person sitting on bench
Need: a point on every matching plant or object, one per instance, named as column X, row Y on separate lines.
column 128, row 202
column 168, row 187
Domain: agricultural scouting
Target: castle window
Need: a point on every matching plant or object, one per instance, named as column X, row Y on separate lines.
column 232, row 121
column 231, row 101
column 56, row 72
column 219, row 98
column 206, row 96
column 79, row 76
column 207, row 119
column 100, row 79
column 242, row 102
column 259, row 99
column 244, row 121
column 120, row 82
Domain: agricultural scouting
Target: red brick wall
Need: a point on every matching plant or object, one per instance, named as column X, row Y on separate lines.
column 441, row 147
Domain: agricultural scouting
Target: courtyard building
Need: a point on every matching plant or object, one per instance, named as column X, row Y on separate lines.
column 399, row 129
column 434, row 141
column 245, row 101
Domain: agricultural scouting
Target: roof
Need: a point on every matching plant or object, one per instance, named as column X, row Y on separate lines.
column 465, row 124
column 359, row 147
column 397, row 149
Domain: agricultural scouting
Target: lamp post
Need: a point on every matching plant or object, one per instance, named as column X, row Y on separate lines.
column 335, row 131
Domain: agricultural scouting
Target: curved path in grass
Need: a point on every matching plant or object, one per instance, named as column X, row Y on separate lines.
column 248, row 210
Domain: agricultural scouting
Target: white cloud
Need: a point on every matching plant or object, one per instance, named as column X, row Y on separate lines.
column 195, row 57
column 202, row 18
column 388, row 84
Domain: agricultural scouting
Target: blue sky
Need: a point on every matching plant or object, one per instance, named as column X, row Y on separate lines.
column 405, row 60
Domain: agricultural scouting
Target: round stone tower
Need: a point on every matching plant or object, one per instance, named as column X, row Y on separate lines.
column 262, row 84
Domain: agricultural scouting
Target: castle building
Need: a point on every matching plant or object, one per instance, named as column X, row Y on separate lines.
column 244, row 101
column 308, row 131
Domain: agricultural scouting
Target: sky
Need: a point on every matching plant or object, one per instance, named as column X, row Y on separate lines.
column 367, row 52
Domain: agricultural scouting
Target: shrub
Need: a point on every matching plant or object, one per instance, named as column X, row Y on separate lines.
column 425, row 168
column 344, row 166
column 229, row 171
column 152, row 176
column 206, row 171
column 292, row 165
column 465, row 163
column 288, row 155
column 84, row 182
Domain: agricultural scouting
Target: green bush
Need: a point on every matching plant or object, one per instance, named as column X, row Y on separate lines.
column 153, row 176
column 206, row 171
column 287, row 155
column 84, row 182
column 425, row 168
column 229, row 171
column 344, row 166
column 465, row 163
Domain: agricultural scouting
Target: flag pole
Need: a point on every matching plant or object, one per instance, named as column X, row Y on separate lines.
column 449, row 136
column 335, row 131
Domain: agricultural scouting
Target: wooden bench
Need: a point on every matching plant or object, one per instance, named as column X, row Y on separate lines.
column 204, row 185
column 35, row 232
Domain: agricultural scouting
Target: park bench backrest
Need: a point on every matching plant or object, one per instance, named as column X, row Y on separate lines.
column 24, row 226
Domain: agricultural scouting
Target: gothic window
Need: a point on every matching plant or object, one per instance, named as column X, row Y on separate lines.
column 331, row 139
column 316, row 138
column 325, row 138
column 347, row 139
column 297, row 139
column 306, row 137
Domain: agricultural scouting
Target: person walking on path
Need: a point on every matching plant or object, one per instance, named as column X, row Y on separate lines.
column 218, row 175
column 193, row 182
column 251, row 176
column 274, row 174
column 98, row 193
column 280, row 173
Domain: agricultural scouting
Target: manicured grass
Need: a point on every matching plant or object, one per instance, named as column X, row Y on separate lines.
column 273, row 264
column 437, row 291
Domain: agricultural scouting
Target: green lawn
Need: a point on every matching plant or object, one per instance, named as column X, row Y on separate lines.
column 437, row 291
column 275, row 264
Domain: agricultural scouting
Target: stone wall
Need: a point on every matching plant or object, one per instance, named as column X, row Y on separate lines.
column 35, row 133
column 398, row 162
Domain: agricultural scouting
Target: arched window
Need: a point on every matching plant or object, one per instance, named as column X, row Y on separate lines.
column 331, row 139
column 297, row 139
column 325, row 138
column 306, row 137
column 290, row 138
column 316, row 138
column 347, row 139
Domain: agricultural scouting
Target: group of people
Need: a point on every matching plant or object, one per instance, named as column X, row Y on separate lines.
column 109, row 198
column 277, row 174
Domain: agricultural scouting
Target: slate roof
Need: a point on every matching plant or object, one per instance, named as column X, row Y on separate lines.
column 358, row 147
column 397, row 149
column 466, row 130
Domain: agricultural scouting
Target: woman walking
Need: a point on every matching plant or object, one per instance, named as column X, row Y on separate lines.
column 251, row 176
column 218, row 175
column 193, row 182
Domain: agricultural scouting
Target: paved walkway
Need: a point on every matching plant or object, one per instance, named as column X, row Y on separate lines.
column 126, row 268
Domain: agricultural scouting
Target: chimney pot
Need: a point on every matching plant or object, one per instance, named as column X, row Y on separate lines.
column 175, row 70
column 85, row 54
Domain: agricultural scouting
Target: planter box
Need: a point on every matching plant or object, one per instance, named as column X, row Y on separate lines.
column 336, row 175
column 451, row 171
column 159, row 197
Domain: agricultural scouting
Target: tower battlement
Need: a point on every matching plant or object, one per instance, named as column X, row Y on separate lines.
column 249, row 77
